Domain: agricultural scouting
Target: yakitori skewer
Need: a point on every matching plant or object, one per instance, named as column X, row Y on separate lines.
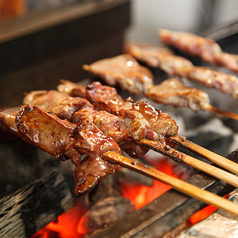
column 205, row 48
column 213, row 157
column 222, row 112
column 173, row 92
column 127, row 130
column 178, row 66
column 123, row 70
column 195, row 163
column 98, row 93
column 177, row 184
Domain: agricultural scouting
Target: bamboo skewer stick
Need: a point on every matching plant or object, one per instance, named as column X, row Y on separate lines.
column 211, row 156
column 177, row 184
column 86, row 67
column 222, row 112
column 195, row 163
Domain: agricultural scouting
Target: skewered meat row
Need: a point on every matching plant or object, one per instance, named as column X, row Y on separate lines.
column 123, row 70
column 174, row 92
column 205, row 48
column 136, row 120
column 66, row 140
column 124, row 130
column 159, row 121
column 179, row 66
column 36, row 126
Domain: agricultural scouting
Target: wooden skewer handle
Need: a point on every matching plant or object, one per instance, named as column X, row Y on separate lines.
column 195, row 163
column 222, row 112
column 86, row 67
column 184, row 187
column 213, row 157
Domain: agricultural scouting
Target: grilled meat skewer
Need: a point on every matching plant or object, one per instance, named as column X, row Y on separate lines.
column 65, row 140
column 123, row 70
column 30, row 128
column 174, row 92
column 125, row 129
column 160, row 122
column 119, row 129
column 106, row 98
column 179, row 66
column 61, row 138
column 205, row 48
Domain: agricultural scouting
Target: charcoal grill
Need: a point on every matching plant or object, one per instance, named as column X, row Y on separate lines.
column 170, row 209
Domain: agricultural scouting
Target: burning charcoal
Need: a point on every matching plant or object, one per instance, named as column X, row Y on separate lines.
column 105, row 213
column 33, row 206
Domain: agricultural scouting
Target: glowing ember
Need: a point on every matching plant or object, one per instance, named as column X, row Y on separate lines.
column 202, row 214
column 142, row 195
column 71, row 224
column 80, row 227
column 65, row 226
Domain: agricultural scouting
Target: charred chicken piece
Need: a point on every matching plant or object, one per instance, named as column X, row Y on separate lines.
column 125, row 131
column 123, row 70
column 174, row 92
column 159, row 121
column 91, row 141
column 66, row 140
column 47, row 131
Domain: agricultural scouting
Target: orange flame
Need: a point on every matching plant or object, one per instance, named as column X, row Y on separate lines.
column 203, row 213
column 72, row 223
column 65, row 226
column 142, row 195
